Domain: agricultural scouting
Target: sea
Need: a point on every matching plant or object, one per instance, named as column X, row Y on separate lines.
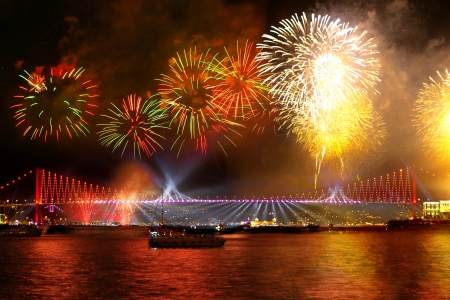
column 117, row 263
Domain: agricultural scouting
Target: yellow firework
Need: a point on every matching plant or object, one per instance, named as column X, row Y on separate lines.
column 320, row 73
column 309, row 59
column 344, row 135
column 432, row 116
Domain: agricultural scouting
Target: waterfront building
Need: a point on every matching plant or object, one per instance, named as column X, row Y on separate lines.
column 445, row 208
column 436, row 209
column 258, row 223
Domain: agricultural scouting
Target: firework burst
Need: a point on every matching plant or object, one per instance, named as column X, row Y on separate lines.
column 432, row 116
column 134, row 124
column 344, row 135
column 320, row 73
column 187, row 92
column 56, row 106
column 306, row 61
column 239, row 91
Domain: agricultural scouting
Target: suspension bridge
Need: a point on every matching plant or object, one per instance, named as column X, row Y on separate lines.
column 54, row 190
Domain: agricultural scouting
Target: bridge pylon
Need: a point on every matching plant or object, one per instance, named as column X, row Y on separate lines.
column 38, row 196
column 414, row 194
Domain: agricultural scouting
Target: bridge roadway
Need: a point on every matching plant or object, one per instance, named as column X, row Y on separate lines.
column 16, row 204
column 190, row 211
column 192, row 200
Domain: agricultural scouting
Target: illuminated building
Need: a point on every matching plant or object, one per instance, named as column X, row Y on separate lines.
column 433, row 210
column 258, row 223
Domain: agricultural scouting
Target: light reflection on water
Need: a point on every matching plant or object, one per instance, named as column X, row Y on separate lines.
column 117, row 263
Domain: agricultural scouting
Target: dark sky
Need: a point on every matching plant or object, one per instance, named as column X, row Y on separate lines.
column 125, row 45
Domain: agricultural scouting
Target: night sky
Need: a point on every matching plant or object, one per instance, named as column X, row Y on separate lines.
column 126, row 45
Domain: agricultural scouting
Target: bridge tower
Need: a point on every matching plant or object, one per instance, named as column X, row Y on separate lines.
column 38, row 196
column 414, row 195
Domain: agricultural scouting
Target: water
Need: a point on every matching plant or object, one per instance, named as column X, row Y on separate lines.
column 117, row 263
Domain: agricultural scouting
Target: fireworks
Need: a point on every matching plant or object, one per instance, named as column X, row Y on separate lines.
column 57, row 106
column 87, row 208
column 239, row 90
column 320, row 73
column 135, row 124
column 432, row 116
column 36, row 82
column 263, row 120
column 307, row 60
column 187, row 92
column 344, row 135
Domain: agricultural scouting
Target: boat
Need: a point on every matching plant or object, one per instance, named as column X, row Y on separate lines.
column 199, row 229
column 284, row 229
column 58, row 229
column 175, row 239
column 20, row 230
column 367, row 227
column 418, row 224
column 165, row 236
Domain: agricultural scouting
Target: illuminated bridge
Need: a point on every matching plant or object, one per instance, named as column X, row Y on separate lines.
column 53, row 191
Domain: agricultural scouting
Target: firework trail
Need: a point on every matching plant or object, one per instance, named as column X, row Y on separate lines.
column 432, row 116
column 55, row 106
column 187, row 92
column 306, row 61
column 125, row 211
column 264, row 119
column 87, row 209
column 344, row 135
column 134, row 123
column 239, row 91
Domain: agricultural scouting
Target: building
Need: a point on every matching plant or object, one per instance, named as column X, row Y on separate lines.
column 258, row 223
column 445, row 208
column 435, row 210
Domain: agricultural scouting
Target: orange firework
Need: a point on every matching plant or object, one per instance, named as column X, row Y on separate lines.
column 187, row 92
column 239, row 91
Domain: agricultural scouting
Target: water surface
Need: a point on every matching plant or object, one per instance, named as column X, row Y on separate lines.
column 117, row 263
